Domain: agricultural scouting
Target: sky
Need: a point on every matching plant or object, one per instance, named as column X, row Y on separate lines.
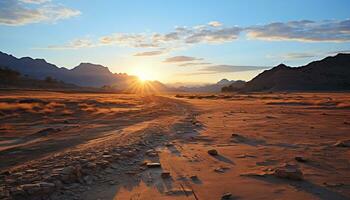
column 197, row 41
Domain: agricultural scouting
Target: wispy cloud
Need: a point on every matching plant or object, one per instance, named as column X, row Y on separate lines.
column 194, row 64
column 35, row 1
column 216, row 33
column 218, row 69
column 340, row 51
column 75, row 44
column 149, row 53
column 303, row 31
column 215, row 24
column 230, row 68
column 177, row 59
column 292, row 56
column 16, row 12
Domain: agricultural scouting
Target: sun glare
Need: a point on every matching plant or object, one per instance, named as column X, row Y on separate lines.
column 143, row 74
column 143, row 77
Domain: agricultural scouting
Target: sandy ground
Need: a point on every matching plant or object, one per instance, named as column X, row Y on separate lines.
column 254, row 134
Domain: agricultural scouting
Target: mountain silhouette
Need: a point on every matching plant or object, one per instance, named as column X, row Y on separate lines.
column 329, row 74
column 216, row 87
column 85, row 74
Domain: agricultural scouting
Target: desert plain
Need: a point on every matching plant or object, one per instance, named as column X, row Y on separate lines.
column 69, row 145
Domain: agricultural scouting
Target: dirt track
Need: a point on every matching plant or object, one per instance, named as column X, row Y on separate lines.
column 118, row 133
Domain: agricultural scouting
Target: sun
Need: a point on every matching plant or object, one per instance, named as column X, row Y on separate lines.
column 143, row 77
column 144, row 74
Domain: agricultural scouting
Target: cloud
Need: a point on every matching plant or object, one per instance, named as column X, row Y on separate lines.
column 230, row 68
column 75, row 44
column 128, row 40
column 217, row 69
column 292, row 56
column 177, row 59
column 214, row 24
column 214, row 33
column 193, row 64
column 216, row 36
column 16, row 13
column 340, row 51
column 149, row 53
column 303, row 31
column 35, row 1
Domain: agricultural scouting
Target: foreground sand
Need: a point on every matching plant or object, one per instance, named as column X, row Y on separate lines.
column 99, row 143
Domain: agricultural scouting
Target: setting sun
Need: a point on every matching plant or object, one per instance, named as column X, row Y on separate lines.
column 143, row 74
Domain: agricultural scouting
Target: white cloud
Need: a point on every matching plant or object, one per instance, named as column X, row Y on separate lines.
column 176, row 59
column 16, row 13
column 216, row 33
column 75, row 44
column 303, row 31
column 214, row 24
column 149, row 53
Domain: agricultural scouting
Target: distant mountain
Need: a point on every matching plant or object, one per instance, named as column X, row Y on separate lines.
column 13, row 79
column 85, row 74
column 210, row 87
column 331, row 74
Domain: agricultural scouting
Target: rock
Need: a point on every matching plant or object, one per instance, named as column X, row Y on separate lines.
column 330, row 184
column 235, row 135
column 31, row 170
column 288, row 172
column 90, row 165
column 46, row 187
column 31, row 188
column 343, row 143
column 219, row 170
column 151, row 153
column 153, row 165
column 300, row 159
column 106, row 156
column 169, row 144
column 179, row 191
column 226, row 196
column 213, row 152
column 70, row 174
column 165, row 175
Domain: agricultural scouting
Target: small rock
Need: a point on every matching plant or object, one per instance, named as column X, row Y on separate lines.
column 226, row 196
column 153, row 165
column 165, row 175
column 329, row 184
column 219, row 170
column 106, row 156
column 235, row 135
column 31, row 188
column 213, row 152
column 289, row 172
column 343, row 143
column 300, row 159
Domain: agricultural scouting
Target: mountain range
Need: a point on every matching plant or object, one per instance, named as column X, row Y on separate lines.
column 216, row 87
column 84, row 75
column 329, row 74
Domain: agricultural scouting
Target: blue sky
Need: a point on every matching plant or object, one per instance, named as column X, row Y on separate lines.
column 208, row 40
